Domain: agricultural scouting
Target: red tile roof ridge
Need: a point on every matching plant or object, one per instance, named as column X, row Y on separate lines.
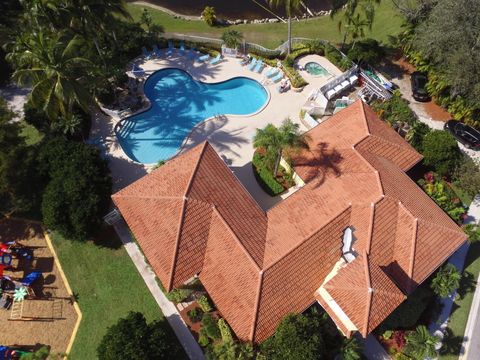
column 257, row 305
column 300, row 243
column 397, row 146
column 117, row 195
column 177, row 242
column 369, row 290
column 413, row 240
column 372, row 220
column 364, row 116
column 445, row 228
column 225, row 223
column 194, row 172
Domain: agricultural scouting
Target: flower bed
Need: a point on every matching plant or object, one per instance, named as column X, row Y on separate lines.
column 264, row 176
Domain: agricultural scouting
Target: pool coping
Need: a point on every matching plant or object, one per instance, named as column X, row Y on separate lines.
column 188, row 136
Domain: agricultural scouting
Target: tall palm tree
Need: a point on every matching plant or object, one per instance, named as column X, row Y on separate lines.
column 275, row 140
column 291, row 6
column 421, row 344
column 446, row 281
column 51, row 64
column 232, row 38
column 352, row 9
column 356, row 28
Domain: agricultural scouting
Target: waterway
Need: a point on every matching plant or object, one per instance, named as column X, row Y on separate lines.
column 234, row 9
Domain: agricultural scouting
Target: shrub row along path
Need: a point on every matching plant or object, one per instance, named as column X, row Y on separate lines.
column 185, row 337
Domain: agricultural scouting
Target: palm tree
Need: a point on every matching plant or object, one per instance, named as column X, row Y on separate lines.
column 232, row 38
column 350, row 350
column 291, row 6
column 446, row 280
column 275, row 140
column 356, row 28
column 421, row 344
column 351, row 14
column 51, row 64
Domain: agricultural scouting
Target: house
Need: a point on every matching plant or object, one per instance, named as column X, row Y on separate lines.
column 358, row 237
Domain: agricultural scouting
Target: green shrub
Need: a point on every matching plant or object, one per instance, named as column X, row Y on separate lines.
column 195, row 314
column 210, row 326
column 204, row 304
column 265, row 177
column 336, row 58
column 395, row 110
column 179, row 295
column 203, row 338
column 441, row 151
column 225, row 331
column 387, row 334
column 209, row 15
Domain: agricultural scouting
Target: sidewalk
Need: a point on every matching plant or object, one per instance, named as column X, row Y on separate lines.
column 191, row 347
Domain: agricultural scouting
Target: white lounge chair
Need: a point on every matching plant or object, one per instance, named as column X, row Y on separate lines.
column 146, row 53
column 259, row 67
column 216, row 60
column 252, row 64
column 278, row 77
column 330, row 94
column 272, row 72
column 203, row 58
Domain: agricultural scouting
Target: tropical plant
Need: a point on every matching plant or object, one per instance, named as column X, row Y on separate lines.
column 367, row 51
column 232, row 38
column 209, row 15
column 52, row 65
column 350, row 350
column 204, row 304
column 276, row 140
column 133, row 338
column 473, row 232
column 446, row 280
column 210, row 326
column 225, row 331
column 291, row 7
column 441, row 151
column 394, row 110
column 146, row 19
column 420, row 344
column 357, row 15
column 179, row 295
column 416, row 133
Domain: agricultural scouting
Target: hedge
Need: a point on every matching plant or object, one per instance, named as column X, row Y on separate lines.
column 265, row 177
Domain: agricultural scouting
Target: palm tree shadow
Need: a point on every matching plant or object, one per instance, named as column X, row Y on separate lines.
column 321, row 160
column 451, row 344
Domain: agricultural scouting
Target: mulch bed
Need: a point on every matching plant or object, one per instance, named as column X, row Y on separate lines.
column 52, row 314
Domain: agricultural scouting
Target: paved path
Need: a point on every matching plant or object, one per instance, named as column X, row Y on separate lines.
column 372, row 348
column 169, row 310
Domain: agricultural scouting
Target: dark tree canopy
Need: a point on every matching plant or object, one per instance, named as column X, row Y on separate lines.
column 78, row 188
column 132, row 338
column 450, row 39
column 297, row 337
column 441, row 151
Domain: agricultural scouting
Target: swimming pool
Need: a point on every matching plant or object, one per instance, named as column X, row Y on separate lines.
column 178, row 103
column 315, row 69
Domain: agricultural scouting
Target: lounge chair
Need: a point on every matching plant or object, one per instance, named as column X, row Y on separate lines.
column 170, row 48
column 259, row 67
column 244, row 61
column 277, row 77
column 146, row 53
column 252, row 64
column 31, row 278
column 192, row 54
column 204, row 58
column 330, row 94
column 217, row 59
column 182, row 47
column 156, row 51
column 137, row 70
column 272, row 72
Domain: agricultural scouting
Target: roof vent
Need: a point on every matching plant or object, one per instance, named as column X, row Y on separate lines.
column 347, row 249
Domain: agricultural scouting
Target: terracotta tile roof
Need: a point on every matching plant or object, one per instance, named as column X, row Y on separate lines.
column 192, row 216
column 365, row 293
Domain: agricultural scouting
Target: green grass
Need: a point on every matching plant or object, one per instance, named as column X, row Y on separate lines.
column 387, row 22
column 31, row 135
column 462, row 195
column 108, row 286
column 461, row 307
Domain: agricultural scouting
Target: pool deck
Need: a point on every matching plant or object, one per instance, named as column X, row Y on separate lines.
column 231, row 136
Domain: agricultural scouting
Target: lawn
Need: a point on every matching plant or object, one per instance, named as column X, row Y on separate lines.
column 108, row 286
column 461, row 307
column 387, row 22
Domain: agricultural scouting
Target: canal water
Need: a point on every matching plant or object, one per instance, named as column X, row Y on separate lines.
column 234, row 9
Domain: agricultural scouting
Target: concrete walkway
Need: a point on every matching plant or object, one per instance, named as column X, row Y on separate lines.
column 372, row 348
column 169, row 310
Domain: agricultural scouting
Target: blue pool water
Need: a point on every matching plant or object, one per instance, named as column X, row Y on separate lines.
column 178, row 104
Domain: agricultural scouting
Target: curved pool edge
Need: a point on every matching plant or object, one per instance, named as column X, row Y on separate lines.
column 188, row 136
